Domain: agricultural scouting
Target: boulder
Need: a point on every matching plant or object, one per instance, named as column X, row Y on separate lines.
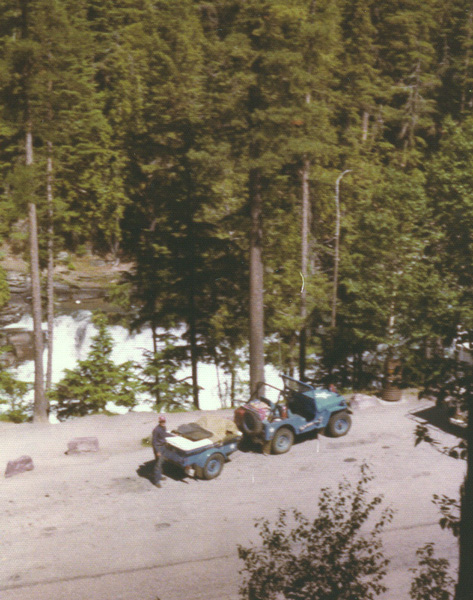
column 22, row 343
column 20, row 465
column 82, row 445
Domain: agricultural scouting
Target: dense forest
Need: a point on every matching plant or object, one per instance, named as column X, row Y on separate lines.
column 288, row 177
column 293, row 172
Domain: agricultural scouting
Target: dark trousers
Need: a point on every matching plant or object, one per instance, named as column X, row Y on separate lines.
column 158, row 468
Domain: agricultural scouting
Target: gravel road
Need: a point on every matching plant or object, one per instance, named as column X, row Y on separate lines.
column 92, row 527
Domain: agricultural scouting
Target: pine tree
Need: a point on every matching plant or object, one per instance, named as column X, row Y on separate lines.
column 22, row 58
column 96, row 380
column 408, row 57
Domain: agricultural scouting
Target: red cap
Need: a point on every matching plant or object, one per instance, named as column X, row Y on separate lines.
column 162, row 419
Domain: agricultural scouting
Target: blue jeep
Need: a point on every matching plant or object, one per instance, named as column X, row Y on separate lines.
column 300, row 408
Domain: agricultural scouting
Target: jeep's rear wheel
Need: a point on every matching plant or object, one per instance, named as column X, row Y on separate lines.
column 339, row 424
column 213, row 467
column 282, row 440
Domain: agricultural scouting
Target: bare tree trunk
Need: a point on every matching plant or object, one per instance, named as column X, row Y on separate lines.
column 50, row 277
column 333, row 321
column 219, row 384
column 466, row 85
column 193, row 347
column 365, row 126
column 154, row 335
column 304, row 261
column 256, row 282
column 193, row 323
column 232, row 386
column 41, row 408
column 464, row 588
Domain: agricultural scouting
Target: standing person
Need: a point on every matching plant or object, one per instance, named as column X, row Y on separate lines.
column 158, row 439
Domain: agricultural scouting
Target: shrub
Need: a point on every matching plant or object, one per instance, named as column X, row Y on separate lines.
column 330, row 557
column 12, row 394
column 431, row 581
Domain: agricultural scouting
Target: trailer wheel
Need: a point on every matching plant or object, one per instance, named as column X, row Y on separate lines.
column 339, row 424
column 282, row 440
column 213, row 466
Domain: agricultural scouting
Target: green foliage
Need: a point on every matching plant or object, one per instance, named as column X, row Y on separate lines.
column 159, row 375
column 432, row 580
column 156, row 112
column 12, row 394
column 332, row 556
column 450, row 186
column 459, row 450
column 450, row 511
column 4, row 288
column 96, row 380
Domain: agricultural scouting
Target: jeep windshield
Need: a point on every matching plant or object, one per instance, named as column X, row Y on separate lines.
column 293, row 385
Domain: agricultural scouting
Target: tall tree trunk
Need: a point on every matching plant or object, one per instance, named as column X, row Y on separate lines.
column 154, row 335
column 232, row 386
column 40, row 410
column 304, row 262
column 464, row 590
column 222, row 400
column 333, row 321
column 193, row 347
column 466, row 85
column 50, row 276
column 191, row 258
column 365, row 125
column 256, row 282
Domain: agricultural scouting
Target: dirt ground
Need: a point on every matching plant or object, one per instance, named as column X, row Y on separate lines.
column 92, row 527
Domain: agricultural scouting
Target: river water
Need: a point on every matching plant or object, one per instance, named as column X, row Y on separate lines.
column 73, row 334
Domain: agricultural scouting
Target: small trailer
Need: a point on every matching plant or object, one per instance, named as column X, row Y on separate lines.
column 202, row 447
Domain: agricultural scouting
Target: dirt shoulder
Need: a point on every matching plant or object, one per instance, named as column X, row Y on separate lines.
column 92, row 526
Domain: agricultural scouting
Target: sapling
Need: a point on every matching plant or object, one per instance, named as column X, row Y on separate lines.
column 336, row 556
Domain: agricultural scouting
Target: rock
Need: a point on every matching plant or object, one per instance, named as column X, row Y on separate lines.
column 88, row 294
column 22, row 344
column 82, row 445
column 20, row 465
column 63, row 256
column 361, row 401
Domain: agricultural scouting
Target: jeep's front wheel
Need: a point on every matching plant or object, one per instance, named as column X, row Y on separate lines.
column 339, row 424
column 282, row 441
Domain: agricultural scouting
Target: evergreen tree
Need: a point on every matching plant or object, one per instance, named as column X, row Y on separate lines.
column 96, row 381
column 22, row 88
column 408, row 57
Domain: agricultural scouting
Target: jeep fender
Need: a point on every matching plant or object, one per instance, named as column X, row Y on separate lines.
column 272, row 428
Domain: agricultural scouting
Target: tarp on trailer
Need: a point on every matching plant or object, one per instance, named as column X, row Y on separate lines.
column 221, row 429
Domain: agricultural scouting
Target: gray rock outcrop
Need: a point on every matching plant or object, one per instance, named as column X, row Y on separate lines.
column 19, row 465
column 83, row 445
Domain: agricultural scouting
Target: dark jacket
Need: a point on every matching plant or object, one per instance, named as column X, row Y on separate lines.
column 158, row 438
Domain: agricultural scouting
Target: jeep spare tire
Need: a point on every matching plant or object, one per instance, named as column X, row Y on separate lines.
column 251, row 423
